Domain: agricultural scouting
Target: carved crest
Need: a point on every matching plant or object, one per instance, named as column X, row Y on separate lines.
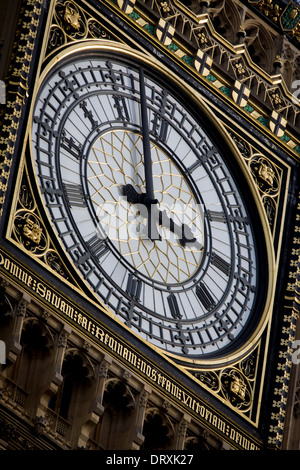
column 290, row 17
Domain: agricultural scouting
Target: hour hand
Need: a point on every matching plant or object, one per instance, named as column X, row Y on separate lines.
column 156, row 217
column 147, row 208
column 184, row 233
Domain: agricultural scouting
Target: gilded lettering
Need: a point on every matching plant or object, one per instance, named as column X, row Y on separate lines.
column 55, row 300
column 168, row 385
column 112, row 343
column 148, row 370
column 41, row 289
column 215, row 421
column 6, row 264
column 125, row 353
column 69, row 311
column 120, row 349
column 29, row 281
column 99, row 333
column 176, row 391
column 48, row 295
column 132, row 358
column 15, row 270
column 84, row 322
column 185, row 398
column 24, row 277
column 159, row 378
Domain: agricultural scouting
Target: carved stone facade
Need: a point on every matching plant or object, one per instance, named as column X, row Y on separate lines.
column 61, row 390
column 71, row 395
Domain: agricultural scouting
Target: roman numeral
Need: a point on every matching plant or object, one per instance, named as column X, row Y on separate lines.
column 215, row 216
column 134, row 287
column 160, row 127
column 173, row 304
column 194, row 166
column 97, row 246
column 110, row 74
column 74, row 195
column 240, row 220
column 182, row 338
column 209, row 153
column 205, row 296
column 51, row 191
column 45, row 124
column 203, row 158
column 68, row 85
column 88, row 114
column 220, row 263
column 121, row 107
column 69, row 144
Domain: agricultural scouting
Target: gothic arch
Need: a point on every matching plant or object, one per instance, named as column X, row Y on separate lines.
column 26, row 375
column 260, row 45
column 226, row 19
column 158, row 430
column 117, row 422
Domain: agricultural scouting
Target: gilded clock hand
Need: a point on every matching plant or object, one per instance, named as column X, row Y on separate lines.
column 149, row 200
column 184, row 233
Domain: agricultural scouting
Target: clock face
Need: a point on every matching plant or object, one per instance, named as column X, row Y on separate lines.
column 110, row 137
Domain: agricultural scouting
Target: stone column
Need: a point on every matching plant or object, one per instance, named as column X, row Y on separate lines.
column 180, row 441
column 96, row 408
column 137, row 434
column 14, row 347
column 55, row 377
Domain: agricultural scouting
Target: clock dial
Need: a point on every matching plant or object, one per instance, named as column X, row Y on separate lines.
column 145, row 204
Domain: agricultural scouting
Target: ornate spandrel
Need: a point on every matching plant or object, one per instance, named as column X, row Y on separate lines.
column 235, row 385
column 266, row 175
column 30, row 234
column 72, row 23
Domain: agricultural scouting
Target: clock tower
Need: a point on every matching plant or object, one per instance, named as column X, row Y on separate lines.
column 149, row 226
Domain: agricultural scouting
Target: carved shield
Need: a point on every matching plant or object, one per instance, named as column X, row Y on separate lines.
column 240, row 93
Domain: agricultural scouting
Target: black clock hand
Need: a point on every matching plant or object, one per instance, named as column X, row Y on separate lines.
column 149, row 200
column 184, row 233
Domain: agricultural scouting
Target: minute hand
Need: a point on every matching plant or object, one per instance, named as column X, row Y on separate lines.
column 152, row 227
column 184, row 233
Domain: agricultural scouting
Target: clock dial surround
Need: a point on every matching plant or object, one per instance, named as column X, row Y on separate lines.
column 196, row 298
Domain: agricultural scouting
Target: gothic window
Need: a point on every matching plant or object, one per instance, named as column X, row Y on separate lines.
column 226, row 19
column 76, row 374
column 260, row 45
column 158, row 431
column 117, row 422
column 28, row 372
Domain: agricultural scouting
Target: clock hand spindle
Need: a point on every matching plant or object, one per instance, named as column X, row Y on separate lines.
column 149, row 201
column 183, row 231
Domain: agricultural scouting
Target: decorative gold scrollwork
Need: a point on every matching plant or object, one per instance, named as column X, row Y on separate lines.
column 72, row 23
column 72, row 17
column 29, row 231
column 266, row 175
column 235, row 384
column 236, row 389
